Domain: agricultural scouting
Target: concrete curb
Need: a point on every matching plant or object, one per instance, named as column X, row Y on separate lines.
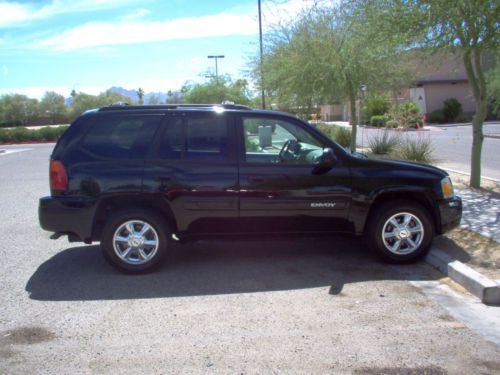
column 488, row 291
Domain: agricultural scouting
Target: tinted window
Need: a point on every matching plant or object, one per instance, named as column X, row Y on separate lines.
column 172, row 141
column 196, row 137
column 124, row 137
column 269, row 140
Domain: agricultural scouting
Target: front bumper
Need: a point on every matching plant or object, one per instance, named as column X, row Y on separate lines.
column 450, row 211
column 67, row 215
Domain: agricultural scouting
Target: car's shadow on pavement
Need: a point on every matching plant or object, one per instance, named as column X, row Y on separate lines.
column 220, row 267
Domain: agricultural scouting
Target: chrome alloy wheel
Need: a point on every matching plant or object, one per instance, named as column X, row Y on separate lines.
column 135, row 242
column 403, row 233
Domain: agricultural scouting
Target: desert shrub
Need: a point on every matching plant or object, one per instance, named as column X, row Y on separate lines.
column 464, row 117
column 451, row 109
column 343, row 136
column 375, row 106
column 22, row 134
column 436, row 117
column 383, row 143
column 339, row 134
column 418, row 149
column 407, row 115
column 326, row 129
column 49, row 134
column 378, row 121
column 5, row 136
column 391, row 124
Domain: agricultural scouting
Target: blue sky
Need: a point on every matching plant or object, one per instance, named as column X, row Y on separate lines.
column 91, row 45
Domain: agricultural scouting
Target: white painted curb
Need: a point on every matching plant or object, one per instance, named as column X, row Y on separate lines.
column 488, row 291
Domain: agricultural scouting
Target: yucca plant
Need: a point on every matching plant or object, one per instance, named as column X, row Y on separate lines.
column 384, row 143
column 419, row 149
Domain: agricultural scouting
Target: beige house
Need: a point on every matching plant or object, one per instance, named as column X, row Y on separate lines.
column 439, row 77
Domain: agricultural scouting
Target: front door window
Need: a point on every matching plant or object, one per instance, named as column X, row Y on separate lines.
column 269, row 140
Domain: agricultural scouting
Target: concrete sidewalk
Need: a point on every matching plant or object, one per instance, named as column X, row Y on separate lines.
column 481, row 212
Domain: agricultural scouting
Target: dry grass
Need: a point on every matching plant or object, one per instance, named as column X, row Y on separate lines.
column 461, row 181
column 479, row 252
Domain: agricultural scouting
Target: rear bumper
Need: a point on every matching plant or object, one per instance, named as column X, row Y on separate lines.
column 450, row 211
column 67, row 215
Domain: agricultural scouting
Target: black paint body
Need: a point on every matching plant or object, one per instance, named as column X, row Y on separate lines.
column 205, row 198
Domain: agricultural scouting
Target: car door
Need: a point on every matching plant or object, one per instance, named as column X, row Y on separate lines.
column 194, row 169
column 278, row 190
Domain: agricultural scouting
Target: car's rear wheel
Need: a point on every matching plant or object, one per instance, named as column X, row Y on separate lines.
column 135, row 241
column 400, row 231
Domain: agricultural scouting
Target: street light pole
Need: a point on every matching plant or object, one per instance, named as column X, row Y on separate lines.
column 261, row 59
column 216, row 57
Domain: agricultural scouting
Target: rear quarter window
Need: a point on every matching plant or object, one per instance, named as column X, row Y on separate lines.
column 120, row 137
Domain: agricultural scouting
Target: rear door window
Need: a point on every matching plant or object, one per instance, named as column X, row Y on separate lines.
column 121, row 137
column 202, row 137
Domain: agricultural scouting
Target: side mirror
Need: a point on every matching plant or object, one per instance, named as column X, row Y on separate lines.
column 326, row 162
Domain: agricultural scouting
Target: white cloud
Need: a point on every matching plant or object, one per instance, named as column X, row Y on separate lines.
column 130, row 32
column 238, row 21
column 5, row 70
column 139, row 13
column 18, row 13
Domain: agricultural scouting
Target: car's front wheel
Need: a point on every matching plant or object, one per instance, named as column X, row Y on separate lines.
column 135, row 241
column 400, row 231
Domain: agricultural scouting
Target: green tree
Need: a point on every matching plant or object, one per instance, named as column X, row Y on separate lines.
column 216, row 91
column 469, row 27
column 153, row 99
column 174, row 97
column 326, row 55
column 18, row 109
column 83, row 102
column 53, row 105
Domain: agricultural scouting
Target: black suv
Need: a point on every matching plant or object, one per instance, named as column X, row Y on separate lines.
column 137, row 177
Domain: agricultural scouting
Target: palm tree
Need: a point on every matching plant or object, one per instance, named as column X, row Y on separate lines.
column 140, row 94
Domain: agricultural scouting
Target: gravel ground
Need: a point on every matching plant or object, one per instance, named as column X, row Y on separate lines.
column 275, row 306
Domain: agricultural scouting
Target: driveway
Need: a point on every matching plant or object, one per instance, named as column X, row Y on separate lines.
column 320, row 305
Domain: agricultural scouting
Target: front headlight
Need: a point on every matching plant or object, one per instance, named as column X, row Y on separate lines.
column 447, row 188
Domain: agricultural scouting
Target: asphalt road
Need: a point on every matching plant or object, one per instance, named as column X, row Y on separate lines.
column 278, row 306
column 452, row 146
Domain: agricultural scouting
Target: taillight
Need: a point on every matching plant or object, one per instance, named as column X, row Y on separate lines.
column 58, row 176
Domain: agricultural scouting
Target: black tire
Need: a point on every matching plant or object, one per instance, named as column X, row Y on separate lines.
column 148, row 250
column 383, row 235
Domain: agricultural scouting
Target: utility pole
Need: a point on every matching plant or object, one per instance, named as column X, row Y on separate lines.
column 216, row 57
column 261, row 59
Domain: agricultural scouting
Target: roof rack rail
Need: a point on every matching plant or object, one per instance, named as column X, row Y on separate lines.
column 126, row 106
column 119, row 104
